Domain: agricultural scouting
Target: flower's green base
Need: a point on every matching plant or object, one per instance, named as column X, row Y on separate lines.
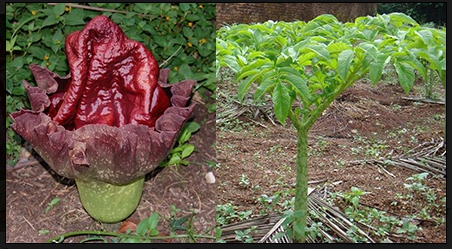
column 107, row 202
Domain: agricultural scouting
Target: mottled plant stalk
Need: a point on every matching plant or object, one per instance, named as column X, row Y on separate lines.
column 301, row 194
column 301, row 185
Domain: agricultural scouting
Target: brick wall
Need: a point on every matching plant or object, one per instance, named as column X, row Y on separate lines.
column 231, row 13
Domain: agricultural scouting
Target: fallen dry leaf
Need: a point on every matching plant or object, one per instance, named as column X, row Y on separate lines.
column 126, row 225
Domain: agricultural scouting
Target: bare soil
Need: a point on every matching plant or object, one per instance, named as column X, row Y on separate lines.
column 31, row 189
column 257, row 155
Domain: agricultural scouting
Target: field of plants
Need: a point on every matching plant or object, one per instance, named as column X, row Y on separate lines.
column 301, row 68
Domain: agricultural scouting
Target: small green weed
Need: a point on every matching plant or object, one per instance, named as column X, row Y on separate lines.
column 52, row 204
column 245, row 235
column 182, row 149
column 382, row 224
column 244, row 181
column 226, row 214
column 418, row 190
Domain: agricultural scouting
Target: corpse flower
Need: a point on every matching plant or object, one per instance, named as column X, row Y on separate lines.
column 109, row 122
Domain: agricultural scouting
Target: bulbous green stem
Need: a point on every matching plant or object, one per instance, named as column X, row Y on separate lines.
column 107, row 202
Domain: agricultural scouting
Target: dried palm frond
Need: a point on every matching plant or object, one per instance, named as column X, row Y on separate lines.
column 277, row 228
column 262, row 224
column 229, row 109
column 336, row 226
column 427, row 157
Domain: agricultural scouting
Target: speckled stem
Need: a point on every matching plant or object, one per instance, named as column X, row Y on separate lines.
column 301, row 187
column 107, row 202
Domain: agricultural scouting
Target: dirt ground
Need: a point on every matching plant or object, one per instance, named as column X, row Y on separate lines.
column 31, row 189
column 257, row 155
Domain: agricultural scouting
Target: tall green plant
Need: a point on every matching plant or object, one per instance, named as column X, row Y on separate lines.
column 305, row 66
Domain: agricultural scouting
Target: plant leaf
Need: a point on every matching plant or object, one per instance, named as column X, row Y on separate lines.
column 343, row 63
column 256, row 65
column 405, row 73
column 59, row 9
column 154, row 220
column 177, row 224
column 337, row 47
column 321, row 50
column 184, row 6
column 376, row 68
column 416, row 64
column 294, row 77
column 147, row 224
column 231, row 62
column 50, row 20
column 174, row 160
column 370, row 49
column 399, row 18
column 267, row 82
column 244, row 85
column 432, row 57
column 188, row 150
column 281, row 102
column 192, row 127
column 426, row 36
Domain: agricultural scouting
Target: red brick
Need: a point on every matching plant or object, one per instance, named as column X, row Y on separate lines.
column 232, row 13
